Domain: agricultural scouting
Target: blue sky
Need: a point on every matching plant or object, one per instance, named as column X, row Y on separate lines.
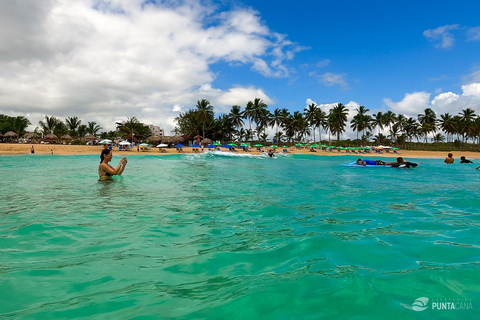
column 104, row 61
column 379, row 49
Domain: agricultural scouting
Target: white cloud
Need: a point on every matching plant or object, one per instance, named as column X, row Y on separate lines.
column 474, row 34
column 177, row 108
column 453, row 103
column 441, row 34
column 411, row 105
column 104, row 61
column 323, row 63
column 330, row 79
column 241, row 96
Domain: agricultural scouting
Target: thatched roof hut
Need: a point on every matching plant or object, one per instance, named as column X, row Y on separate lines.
column 1, row 135
column 50, row 137
column 153, row 139
column 31, row 135
column 206, row 142
column 10, row 134
column 166, row 139
column 66, row 137
column 90, row 138
column 177, row 139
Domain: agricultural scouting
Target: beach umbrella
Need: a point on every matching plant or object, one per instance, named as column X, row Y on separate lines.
column 50, row 137
column 196, row 146
column 10, row 134
column 153, row 139
column 284, row 146
column 258, row 145
column 299, row 145
column 179, row 145
column 232, row 144
column 106, row 141
column 394, row 148
column 273, row 146
column 162, row 145
column 314, row 145
column 124, row 143
column 211, row 146
column 216, row 144
column 144, row 145
column 206, row 142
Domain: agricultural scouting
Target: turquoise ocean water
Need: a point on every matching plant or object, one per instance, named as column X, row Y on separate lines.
column 236, row 237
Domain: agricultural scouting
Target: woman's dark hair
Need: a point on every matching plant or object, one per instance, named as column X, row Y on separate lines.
column 104, row 153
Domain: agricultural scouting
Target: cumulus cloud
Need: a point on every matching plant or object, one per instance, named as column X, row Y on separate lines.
column 453, row 103
column 442, row 35
column 108, row 60
column 411, row 105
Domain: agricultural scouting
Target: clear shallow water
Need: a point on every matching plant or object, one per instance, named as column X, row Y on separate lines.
column 219, row 236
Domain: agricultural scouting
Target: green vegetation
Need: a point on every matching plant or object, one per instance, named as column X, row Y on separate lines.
column 459, row 132
column 73, row 127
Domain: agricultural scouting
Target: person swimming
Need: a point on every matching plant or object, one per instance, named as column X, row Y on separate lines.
column 370, row 162
column 105, row 170
column 449, row 159
column 464, row 160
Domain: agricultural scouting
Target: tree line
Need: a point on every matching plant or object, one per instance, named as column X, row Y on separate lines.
column 381, row 127
column 73, row 127
column 252, row 122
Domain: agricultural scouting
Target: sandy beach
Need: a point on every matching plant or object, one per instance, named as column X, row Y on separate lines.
column 58, row 149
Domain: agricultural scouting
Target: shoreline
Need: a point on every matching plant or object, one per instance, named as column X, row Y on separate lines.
column 58, row 149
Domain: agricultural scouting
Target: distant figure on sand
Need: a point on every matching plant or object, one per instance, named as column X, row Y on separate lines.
column 105, row 170
column 464, row 160
column 51, row 152
column 449, row 159
column 32, row 150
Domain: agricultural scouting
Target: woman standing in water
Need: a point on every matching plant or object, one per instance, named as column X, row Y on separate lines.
column 106, row 171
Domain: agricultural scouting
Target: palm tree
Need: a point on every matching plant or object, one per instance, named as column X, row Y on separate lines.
column 309, row 114
column 236, row 116
column 320, row 118
column 204, row 112
column 378, row 121
column 438, row 138
column 338, row 118
column 467, row 116
column 389, row 119
column 93, row 128
column 48, row 126
column 263, row 120
column 19, row 125
column 447, row 124
column 276, row 119
column 82, row 131
column 72, row 124
column 428, row 121
column 131, row 126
